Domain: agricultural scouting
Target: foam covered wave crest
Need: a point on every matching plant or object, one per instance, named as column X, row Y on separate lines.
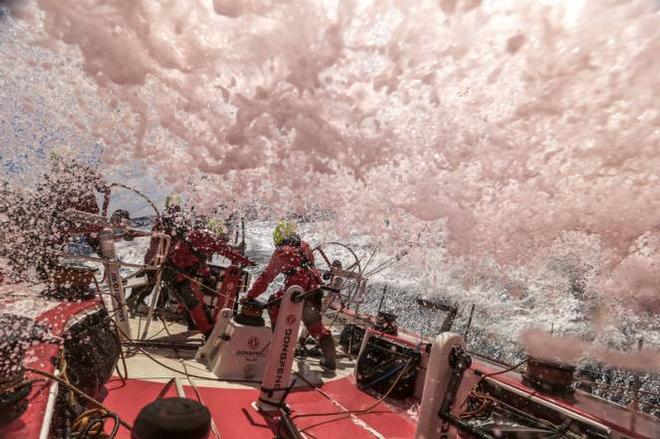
column 489, row 134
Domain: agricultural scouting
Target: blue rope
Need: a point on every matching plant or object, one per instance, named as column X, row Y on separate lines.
column 387, row 375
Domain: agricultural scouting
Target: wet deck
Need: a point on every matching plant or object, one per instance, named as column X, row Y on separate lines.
column 315, row 395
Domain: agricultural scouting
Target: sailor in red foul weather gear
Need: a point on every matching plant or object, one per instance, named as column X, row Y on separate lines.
column 294, row 258
column 68, row 185
column 186, row 273
column 186, row 267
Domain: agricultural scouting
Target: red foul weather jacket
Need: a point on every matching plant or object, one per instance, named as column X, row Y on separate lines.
column 198, row 245
column 296, row 263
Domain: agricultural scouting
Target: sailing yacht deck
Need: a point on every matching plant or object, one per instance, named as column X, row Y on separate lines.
column 314, row 394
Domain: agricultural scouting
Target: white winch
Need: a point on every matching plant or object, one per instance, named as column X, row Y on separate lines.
column 236, row 349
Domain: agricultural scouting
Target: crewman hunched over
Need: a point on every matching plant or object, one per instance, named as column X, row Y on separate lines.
column 294, row 258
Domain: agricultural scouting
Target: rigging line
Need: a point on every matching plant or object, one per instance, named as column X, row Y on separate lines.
column 176, row 295
column 214, row 428
column 358, row 262
column 343, row 415
column 353, row 285
column 484, row 402
column 488, row 375
column 131, row 275
column 385, row 265
column 318, row 424
column 153, row 206
column 98, row 290
column 366, row 265
column 348, row 289
column 101, row 420
column 165, row 327
column 345, row 319
column 341, row 308
column 160, row 363
column 531, row 418
column 499, row 372
column 139, row 328
column 123, row 358
column 361, row 411
column 141, row 209
column 112, row 312
column 77, row 391
column 388, row 263
column 214, row 292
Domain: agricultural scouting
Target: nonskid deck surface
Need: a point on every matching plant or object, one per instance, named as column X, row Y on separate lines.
column 315, row 394
column 235, row 417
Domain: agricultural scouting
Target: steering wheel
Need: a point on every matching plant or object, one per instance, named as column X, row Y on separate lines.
column 333, row 252
column 339, row 260
column 141, row 204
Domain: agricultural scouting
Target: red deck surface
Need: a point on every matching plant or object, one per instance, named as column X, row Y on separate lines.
column 391, row 424
column 228, row 407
